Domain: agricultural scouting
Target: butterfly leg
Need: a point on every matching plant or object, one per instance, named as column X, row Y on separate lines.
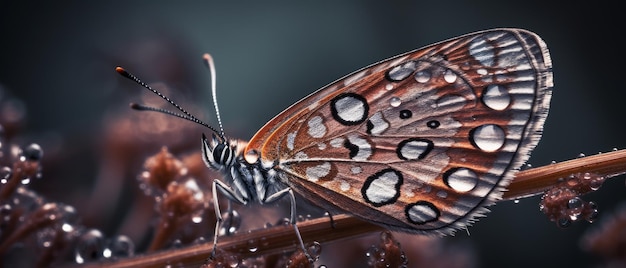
column 332, row 221
column 292, row 219
column 231, row 195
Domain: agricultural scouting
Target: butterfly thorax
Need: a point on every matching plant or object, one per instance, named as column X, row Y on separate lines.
column 243, row 181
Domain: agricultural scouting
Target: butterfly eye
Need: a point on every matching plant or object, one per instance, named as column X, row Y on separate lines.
column 222, row 154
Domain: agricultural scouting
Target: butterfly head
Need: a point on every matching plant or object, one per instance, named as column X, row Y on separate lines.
column 219, row 153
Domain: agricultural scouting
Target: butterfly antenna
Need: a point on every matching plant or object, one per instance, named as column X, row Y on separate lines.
column 209, row 62
column 185, row 115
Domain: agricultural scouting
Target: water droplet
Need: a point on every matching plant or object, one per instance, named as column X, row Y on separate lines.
column 386, row 237
column 596, row 183
column 614, row 149
column 552, row 162
column 121, row 246
column 563, row 222
column 488, row 137
column 460, row 179
column 389, row 86
column 422, row 76
column 5, row 174
column 66, row 227
column 90, row 246
column 283, row 221
column 592, row 205
column 371, row 255
column 527, row 166
column 252, row 246
column 251, row 156
column 107, row 253
column 516, row 201
column 395, row 102
column 192, row 186
column 231, row 223
column 592, row 216
column 46, row 237
column 315, row 250
column 33, row 152
column 449, row 76
column 496, row 97
column 176, row 244
column 572, row 180
column 592, row 213
column 5, row 213
column 575, row 203
column 68, row 213
column 199, row 240
column 581, row 155
column 197, row 217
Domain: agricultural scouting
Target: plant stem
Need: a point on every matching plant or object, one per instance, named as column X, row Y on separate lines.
column 535, row 181
column 279, row 239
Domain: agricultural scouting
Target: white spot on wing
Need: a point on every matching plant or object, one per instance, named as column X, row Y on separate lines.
column 336, row 142
column 291, row 138
column 344, row 185
column 383, row 188
column 365, row 149
column 422, row 213
column 379, row 123
column 317, row 129
column 414, row 150
column 321, row 146
column 350, row 109
column 316, row 172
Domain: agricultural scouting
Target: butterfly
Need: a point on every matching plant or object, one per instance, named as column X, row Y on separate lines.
column 421, row 143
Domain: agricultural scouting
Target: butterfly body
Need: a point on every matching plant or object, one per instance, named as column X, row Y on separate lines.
column 420, row 143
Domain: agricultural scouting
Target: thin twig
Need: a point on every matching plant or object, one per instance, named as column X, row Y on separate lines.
column 537, row 180
column 264, row 241
column 282, row 238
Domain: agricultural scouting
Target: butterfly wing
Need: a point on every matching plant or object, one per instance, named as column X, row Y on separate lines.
column 421, row 142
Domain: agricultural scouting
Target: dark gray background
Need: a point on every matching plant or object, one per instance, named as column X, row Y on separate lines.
column 59, row 60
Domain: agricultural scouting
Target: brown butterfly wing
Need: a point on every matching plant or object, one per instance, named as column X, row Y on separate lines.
column 421, row 142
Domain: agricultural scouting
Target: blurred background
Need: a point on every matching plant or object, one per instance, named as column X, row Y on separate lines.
column 59, row 61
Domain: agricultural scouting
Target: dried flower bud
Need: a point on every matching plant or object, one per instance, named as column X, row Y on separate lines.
column 161, row 169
